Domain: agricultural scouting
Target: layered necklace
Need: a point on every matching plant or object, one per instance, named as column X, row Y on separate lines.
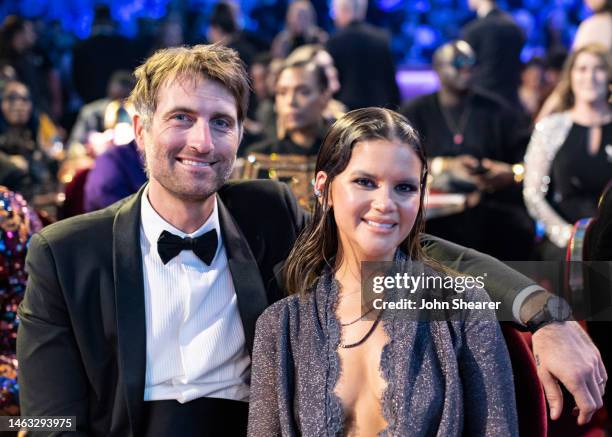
column 361, row 317
column 367, row 334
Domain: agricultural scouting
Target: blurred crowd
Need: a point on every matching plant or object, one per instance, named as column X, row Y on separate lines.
column 66, row 141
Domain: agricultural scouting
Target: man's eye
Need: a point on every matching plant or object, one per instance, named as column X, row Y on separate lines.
column 221, row 123
column 407, row 188
column 365, row 182
column 180, row 117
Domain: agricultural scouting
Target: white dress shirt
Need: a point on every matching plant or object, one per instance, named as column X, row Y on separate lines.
column 195, row 338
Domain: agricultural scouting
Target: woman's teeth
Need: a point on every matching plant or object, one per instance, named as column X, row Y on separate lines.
column 380, row 225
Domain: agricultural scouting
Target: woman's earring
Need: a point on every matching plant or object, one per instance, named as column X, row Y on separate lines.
column 317, row 192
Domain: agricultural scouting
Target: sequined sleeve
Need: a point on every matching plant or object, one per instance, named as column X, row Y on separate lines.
column 486, row 373
column 548, row 136
column 264, row 413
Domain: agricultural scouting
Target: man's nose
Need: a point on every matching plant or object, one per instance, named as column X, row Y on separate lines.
column 200, row 138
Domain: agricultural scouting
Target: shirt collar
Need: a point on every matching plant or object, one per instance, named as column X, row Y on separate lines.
column 152, row 224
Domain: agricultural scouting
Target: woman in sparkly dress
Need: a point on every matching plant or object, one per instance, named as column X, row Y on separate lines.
column 323, row 367
column 569, row 158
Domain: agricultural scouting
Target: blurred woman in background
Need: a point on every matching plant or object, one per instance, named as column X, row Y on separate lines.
column 569, row 158
column 27, row 139
column 320, row 56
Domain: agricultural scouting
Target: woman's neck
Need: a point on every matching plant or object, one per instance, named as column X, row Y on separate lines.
column 348, row 274
column 591, row 113
column 348, row 270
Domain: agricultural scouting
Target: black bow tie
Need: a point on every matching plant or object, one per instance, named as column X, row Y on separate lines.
column 204, row 246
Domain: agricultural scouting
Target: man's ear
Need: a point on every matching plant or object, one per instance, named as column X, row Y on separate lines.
column 319, row 187
column 240, row 132
column 139, row 131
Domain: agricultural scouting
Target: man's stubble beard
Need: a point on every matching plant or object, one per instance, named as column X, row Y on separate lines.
column 216, row 183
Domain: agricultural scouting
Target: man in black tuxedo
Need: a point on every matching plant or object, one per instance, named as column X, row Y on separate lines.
column 498, row 42
column 362, row 56
column 139, row 319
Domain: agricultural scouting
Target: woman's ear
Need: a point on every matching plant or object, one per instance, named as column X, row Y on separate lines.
column 319, row 188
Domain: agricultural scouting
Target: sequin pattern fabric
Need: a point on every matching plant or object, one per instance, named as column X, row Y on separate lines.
column 443, row 378
column 546, row 140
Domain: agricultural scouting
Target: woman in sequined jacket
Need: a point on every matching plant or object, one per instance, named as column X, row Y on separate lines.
column 568, row 162
column 322, row 365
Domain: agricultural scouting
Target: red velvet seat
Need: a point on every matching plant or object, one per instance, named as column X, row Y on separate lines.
column 530, row 401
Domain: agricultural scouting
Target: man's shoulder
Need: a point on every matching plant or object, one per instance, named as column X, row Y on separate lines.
column 265, row 146
column 373, row 31
column 253, row 192
column 494, row 21
column 502, row 22
column 359, row 30
column 491, row 101
column 471, row 26
column 419, row 103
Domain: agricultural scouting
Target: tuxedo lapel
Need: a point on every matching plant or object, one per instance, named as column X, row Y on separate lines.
column 130, row 306
column 250, row 290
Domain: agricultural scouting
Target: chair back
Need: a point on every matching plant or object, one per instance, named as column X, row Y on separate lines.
column 530, row 401
column 75, row 194
column 295, row 170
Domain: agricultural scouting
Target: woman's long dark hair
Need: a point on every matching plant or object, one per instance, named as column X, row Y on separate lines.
column 317, row 245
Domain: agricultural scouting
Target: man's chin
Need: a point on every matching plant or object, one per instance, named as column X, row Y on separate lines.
column 195, row 194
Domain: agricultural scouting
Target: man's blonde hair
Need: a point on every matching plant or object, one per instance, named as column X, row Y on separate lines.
column 213, row 62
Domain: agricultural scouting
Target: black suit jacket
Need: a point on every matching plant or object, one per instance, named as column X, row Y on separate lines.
column 81, row 342
column 82, row 335
column 366, row 71
column 498, row 42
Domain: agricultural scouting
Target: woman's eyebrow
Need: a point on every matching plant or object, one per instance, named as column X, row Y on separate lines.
column 365, row 174
column 362, row 173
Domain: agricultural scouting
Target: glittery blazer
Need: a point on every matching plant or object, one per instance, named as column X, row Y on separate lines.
column 443, row 378
column 547, row 138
